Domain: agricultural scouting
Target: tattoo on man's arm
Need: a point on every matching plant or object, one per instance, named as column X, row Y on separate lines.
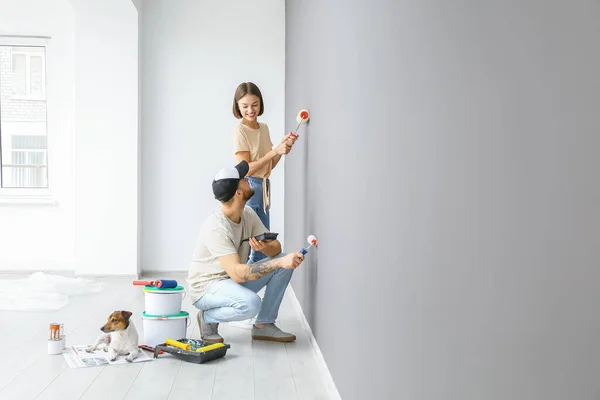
column 255, row 271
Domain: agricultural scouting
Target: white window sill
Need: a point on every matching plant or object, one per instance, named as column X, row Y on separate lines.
column 27, row 98
column 26, row 196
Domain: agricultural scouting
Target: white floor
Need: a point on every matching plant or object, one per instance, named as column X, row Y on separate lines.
column 250, row 370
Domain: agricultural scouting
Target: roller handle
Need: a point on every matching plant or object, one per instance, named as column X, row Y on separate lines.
column 149, row 348
column 144, row 283
column 303, row 251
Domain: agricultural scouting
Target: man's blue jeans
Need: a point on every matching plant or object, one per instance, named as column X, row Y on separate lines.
column 228, row 301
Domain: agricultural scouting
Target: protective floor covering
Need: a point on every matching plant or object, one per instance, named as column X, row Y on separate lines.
column 40, row 292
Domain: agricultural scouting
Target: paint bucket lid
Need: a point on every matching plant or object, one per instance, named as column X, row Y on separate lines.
column 161, row 290
column 183, row 314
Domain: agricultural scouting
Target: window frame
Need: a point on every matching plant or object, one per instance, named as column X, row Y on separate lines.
column 28, row 195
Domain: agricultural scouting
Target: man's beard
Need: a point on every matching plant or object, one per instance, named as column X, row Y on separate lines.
column 247, row 194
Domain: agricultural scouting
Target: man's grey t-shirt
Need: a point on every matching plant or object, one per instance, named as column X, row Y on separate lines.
column 218, row 237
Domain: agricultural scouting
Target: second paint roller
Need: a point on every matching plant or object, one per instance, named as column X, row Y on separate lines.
column 301, row 118
column 312, row 240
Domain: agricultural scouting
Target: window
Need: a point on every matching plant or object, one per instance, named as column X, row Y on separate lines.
column 23, row 127
column 28, row 78
column 28, row 157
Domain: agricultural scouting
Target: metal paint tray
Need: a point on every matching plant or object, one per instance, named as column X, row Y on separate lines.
column 193, row 355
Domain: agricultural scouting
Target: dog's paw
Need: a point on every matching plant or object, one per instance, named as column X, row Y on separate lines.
column 112, row 355
column 90, row 349
column 131, row 356
column 105, row 349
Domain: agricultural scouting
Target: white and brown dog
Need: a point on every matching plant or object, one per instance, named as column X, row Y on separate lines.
column 120, row 337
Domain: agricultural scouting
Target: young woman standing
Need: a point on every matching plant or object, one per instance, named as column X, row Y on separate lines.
column 252, row 142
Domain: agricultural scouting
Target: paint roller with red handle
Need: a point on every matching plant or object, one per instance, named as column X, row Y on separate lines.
column 159, row 283
column 301, row 118
column 312, row 239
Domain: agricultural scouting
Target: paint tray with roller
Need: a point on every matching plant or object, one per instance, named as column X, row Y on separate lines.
column 192, row 350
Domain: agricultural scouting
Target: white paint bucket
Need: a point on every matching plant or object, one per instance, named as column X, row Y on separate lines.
column 158, row 328
column 163, row 301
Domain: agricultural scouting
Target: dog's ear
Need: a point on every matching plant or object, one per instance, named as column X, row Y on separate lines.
column 126, row 315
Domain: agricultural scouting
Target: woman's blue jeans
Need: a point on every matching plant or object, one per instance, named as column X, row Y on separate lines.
column 256, row 203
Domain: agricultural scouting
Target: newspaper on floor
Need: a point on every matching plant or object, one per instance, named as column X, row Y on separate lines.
column 77, row 357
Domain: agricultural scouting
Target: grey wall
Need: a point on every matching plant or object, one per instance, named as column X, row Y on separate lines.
column 450, row 171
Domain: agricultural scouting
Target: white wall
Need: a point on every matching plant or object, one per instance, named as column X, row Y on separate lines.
column 42, row 236
column 195, row 53
column 106, row 138
column 138, row 5
column 193, row 58
column 92, row 78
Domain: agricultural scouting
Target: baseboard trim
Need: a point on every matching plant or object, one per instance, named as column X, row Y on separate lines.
column 31, row 266
column 64, row 273
column 151, row 272
column 27, row 272
column 101, row 276
column 332, row 391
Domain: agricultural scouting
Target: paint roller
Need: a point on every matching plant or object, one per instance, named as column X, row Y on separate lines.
column 189, row 347
column 301, row 118
column 209, row 347
column 312, row 240
column 178, row 344
column 159, row 283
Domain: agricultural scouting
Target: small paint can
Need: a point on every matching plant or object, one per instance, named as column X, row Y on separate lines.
column 56, row 346
column 56, row 330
